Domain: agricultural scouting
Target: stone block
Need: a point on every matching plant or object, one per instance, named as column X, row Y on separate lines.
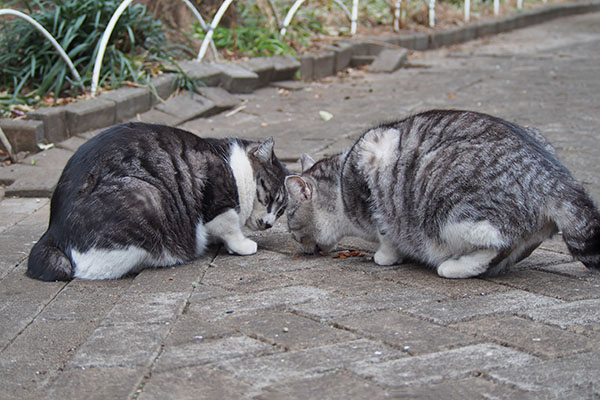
column 400, row 330
column 208, row 74
column 389, row 60
column 421, row 41
column 236, row 79
column 162, row 87
column 289, row 331
column 88, row 114
column 285, row 67
column 566, row 315
column 459, row 310
column 307, row 67
column 158, row 117
column 361, row 60
column 535, row 338
column 261, row 66
column 23, row 135
column 71, row 144
column 324, row 65
column 148, row 308
column 574, row 377
column 457, row 363
column 42, row 184
column 221, row 98
column 186, row 106
column 343, row 54
column 129, row 101
column 96, row 383
column 55, row 122
column 486, row 28
column 469, row 32
column 203, row 351
column 293, row 365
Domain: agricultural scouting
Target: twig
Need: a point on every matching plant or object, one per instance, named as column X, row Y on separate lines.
column 9, row 149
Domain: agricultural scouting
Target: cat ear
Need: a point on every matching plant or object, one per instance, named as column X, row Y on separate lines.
column 264, row 151
column 306, row 162
column 297, row 188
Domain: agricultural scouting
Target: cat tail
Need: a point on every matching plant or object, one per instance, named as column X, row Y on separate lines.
column 47, row 262
column 579, row 220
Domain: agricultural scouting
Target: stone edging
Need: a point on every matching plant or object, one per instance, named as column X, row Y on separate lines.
column 56, row 124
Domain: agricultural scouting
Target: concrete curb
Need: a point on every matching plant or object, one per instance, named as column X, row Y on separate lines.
column 53, row 125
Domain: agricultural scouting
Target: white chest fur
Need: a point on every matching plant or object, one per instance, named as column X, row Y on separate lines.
column 244, row 179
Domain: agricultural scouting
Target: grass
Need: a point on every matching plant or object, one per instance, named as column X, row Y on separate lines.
column 34, row 73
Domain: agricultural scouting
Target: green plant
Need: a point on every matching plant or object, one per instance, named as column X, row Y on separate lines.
column 32, row 69
column 252, row 36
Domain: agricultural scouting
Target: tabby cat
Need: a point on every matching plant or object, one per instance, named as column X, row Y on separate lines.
column 463, row 192
column 149, row 195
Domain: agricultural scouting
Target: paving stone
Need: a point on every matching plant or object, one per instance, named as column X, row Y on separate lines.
column 458, row 363
column 361, row 60
column 573, row 377
column 532, row 337
column 289, row 85
column 343, row 54
column 17, row 240
column 565, row 315
column 22, row 300
column 88, row 114
column 324, row 65
column 96, row 383
column 236, row 79
column 162, row 87
column 105, row 349
column 552, row 285
column 175, row 279
column 158, row 117
column 286, row 67
column 187, row 106
column 574, row 269
column 208, row 74
column 288, row 331
column 404, row 332
column 100, row 297
column 337, row 306
column 460, row 389
column 190, row 329
column 204, row 351
column 303, row 364
column 129, row 101
column 16, row 209
column 333, row 386
column 220, row 97
column 55, row 122
column 223, row 307
column 261, row 66
column 23, row 135
column 389, row 60
column 198, row 383
column 427, row 278
column 40, row 185
column 51, row 158
column 459, row 310
column 71, row 144
column 149, row 308
column 307, row 67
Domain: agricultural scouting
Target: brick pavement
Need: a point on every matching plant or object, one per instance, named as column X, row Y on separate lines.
column 273, row 325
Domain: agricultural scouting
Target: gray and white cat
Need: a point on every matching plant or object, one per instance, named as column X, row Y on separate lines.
column 463, row 192
column 149, row 195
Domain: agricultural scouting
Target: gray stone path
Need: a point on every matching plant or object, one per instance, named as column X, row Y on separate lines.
column 277, row 325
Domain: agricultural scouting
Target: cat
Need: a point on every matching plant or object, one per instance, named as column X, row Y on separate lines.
column 463, row 192
column 141, row 195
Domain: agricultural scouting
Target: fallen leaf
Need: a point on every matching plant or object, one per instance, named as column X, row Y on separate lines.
column 326, row 116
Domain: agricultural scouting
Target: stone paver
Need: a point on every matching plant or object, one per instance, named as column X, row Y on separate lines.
column 280, row 324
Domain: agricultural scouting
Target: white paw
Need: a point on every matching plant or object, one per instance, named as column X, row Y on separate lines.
column 455, row 269
column 244, row 247
column 385, row 258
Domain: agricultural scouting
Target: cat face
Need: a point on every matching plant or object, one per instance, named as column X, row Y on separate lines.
column 312, row 226
column 270, row 200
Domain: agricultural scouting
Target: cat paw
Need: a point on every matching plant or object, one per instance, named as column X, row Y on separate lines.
column 384, row 258
column 244, row 247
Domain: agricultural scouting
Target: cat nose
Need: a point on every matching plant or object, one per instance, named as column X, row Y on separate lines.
column 267, row 225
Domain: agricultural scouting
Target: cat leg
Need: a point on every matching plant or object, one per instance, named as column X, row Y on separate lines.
column 467, row 266
column 387, row 253
column 227, row 228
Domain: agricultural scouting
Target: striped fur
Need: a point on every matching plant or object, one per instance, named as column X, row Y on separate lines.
column 463, row 192
column 140, row 195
